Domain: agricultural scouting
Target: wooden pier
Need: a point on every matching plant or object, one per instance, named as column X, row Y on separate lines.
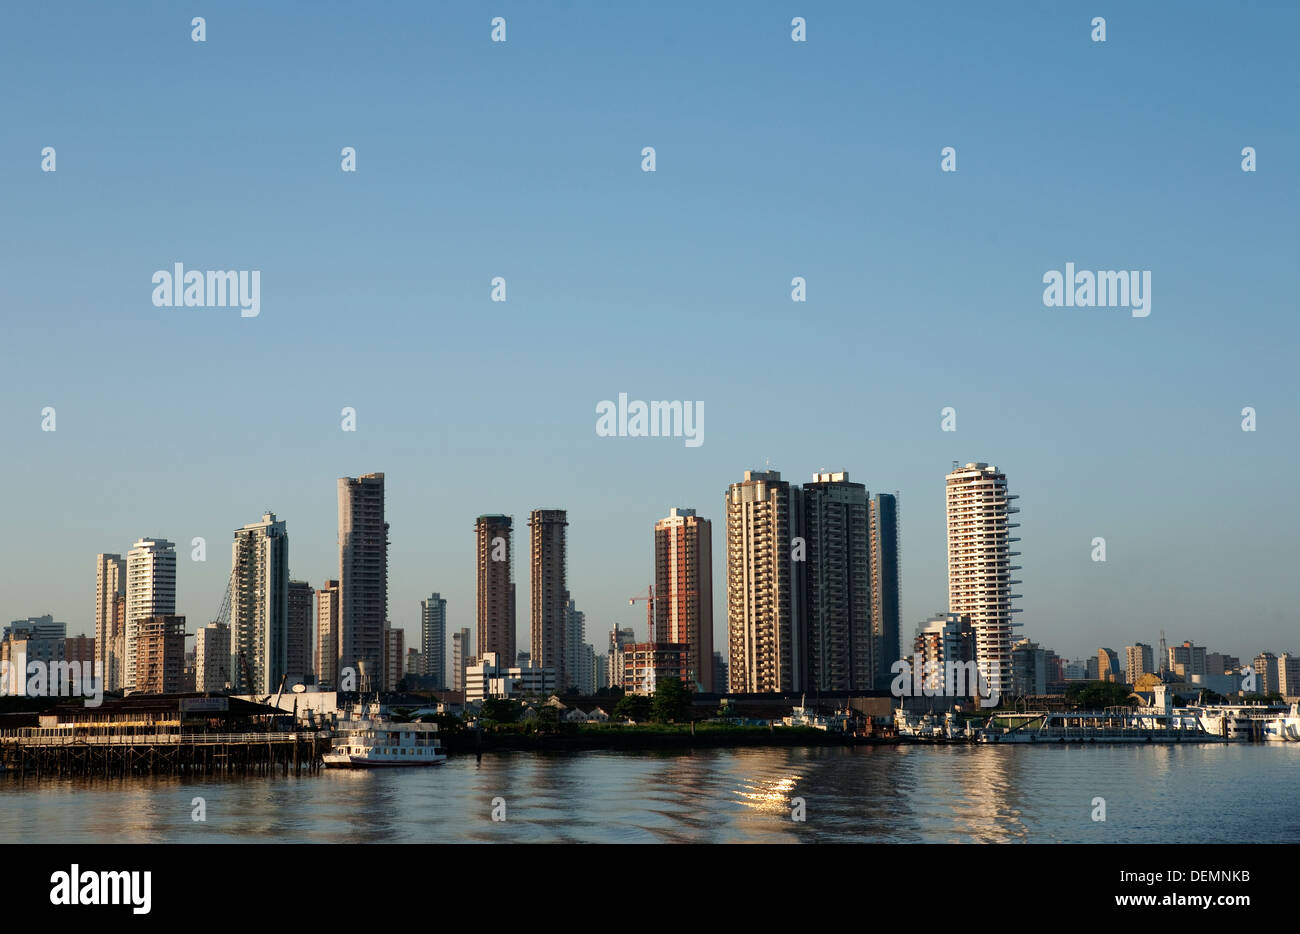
column 162, row 754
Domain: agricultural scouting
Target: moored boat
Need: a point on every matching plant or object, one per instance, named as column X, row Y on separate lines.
column 1285, row 727
column 374, row 741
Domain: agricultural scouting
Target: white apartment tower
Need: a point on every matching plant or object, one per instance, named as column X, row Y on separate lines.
column 979, row 565
column 259, row 606
column 150, row 591
column 764, row 622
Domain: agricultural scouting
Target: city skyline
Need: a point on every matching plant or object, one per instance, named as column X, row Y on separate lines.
column 908, row 628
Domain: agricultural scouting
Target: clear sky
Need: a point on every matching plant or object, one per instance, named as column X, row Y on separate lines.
column 774, row 159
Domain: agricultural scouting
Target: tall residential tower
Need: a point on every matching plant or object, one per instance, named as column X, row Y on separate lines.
column 836, row 582
column 433, row 639
column 979, row 514
column 363, row 579
column 885, row 588
column 259, row 606
column 683, row 604
column 496, row 589
column 764, row 626
column 549, row 593
column 150, row 592
column 110, row 583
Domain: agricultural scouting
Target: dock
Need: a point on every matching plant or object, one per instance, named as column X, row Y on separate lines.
column 28, row 753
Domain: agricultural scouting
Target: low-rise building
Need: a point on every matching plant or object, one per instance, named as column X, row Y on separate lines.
column 487, row 677
column 647, row 663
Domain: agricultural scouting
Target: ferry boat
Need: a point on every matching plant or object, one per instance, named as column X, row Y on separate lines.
column 1285, row 727
column 373, row 741
column 1236, row 722
column 1114, row 725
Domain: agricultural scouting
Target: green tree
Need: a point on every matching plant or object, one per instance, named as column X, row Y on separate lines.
column 671, row 701
column 500, row 710
column 1096, row 695
column 635, row 707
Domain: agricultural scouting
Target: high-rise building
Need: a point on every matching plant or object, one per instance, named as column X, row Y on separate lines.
column 363, row 579
column 619, row 640
column 212, row 658
column 433, row 639
column 836, row 583
column 414, row 663
column 886, row 585
column 1187, row 659
column 461, row 653
column 765, row 634
column 549, row 591
column 81, row 650
column 117, row 654
column 576, row 649
column 1220, row 663
column 259, row 606
column 327, row 634
column 683, row 604
column 496, row 589
column 719, row 673
column 1288, row 675
column 160, row 654
column 394, row 656
column 1266, row 673
column 1139, row 660
column 586, row 666
column 942, row 640
column 979, row 514
column 1029, row 669
column 1108, row 666
column 150, row 591
column 110, row 583
column 1055, row 672
column 300, row 646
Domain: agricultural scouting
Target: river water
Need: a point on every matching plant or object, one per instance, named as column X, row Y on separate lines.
column 895, row 794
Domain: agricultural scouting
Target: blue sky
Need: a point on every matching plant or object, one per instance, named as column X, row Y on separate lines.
column 775, row 159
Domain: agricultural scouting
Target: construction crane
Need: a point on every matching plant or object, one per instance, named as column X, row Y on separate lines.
column 649, row 598
column 245, row 672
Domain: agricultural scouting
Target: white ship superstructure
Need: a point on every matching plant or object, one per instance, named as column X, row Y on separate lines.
column 374, row 741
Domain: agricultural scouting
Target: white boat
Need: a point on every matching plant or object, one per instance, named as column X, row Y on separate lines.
column 1235, row 722
column 374, row 741
column 1112, row 725
column 1285, row 727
